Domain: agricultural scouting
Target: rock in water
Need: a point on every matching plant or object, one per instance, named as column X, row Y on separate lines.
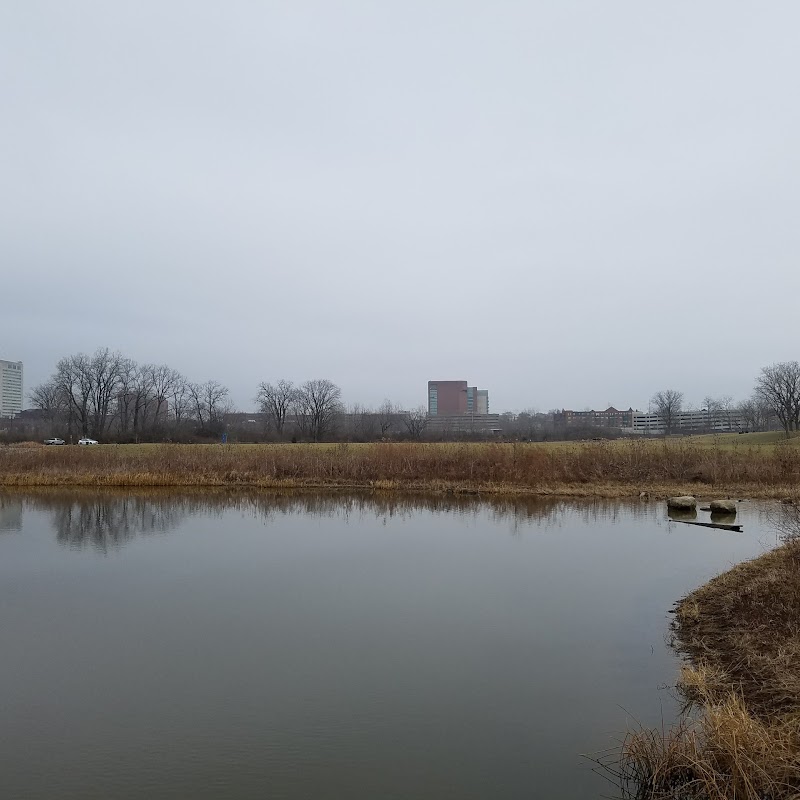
column 685, row 503
column 723, row 506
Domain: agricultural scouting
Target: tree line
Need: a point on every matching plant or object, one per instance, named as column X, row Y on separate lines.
column 776, row 395
column 109, row 396
column 314, row 411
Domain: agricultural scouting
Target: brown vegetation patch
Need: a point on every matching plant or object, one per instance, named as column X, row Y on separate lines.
column 740, row 736
column 747, row 626
column 610, row 468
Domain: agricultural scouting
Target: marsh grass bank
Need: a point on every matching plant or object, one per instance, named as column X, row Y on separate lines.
column 608, row 469
column 740, row 736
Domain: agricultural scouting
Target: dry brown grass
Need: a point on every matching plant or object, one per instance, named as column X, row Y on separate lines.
column 747, row 627
column 726, row 754
column 607, row 468
column 740, row 735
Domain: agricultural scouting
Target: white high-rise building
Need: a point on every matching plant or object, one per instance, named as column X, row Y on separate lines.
column 10, row 388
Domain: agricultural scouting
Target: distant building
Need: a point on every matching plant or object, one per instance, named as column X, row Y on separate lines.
column 10, row 388
column 610, row 418
column 631, row 421
column 690, row 422
column 447, row 425
column 447, row 398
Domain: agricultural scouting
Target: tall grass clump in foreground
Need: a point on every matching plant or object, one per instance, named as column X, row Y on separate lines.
column 740, row 734
column 609, row 467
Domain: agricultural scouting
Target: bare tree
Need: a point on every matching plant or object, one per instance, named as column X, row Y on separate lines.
column 209, row 405
column 416, row 421
column 90, row 384
column 779, row 385
column 50, row 399
column 125, row 396
column 667, row 404
column 726, row 409
column 180, row 400
column 164, row 381
column 275, row 400
column 72, row 377
column 106, row 369
column 711, row 407
column 317, row 405
column 755, row 412
column 364, row 423
column 107, row 389
column 719, row 412
column 134, row 396
column 386, row 417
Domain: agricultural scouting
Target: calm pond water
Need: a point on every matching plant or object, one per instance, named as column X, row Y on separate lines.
column 170, row 645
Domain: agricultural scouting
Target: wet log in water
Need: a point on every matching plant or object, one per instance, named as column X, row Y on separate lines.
column 721, row 525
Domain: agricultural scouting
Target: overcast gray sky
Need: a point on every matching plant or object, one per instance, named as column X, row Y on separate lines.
column 568, row 203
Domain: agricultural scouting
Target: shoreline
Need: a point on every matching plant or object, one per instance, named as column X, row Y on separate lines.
column 608, row 491
column 739, row 734
column 787, row 494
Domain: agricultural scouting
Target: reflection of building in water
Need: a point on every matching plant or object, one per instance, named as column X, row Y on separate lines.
column 10, row 514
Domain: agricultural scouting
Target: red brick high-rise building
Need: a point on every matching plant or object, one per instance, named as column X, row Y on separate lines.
column 456, row 397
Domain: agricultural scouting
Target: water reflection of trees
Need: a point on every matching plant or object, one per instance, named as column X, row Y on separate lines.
column 107, row 519
column 518, row 511
column 10, row 514
column 498, row 508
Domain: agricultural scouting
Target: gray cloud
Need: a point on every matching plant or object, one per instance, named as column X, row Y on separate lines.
column 570, row 204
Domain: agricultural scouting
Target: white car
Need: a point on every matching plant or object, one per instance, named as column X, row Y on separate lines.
column 87, row 440
column 54, row 441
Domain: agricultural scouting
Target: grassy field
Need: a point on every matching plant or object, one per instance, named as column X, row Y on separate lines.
column 756, row 465
column 745, row 440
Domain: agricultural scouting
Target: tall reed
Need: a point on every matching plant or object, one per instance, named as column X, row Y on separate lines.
column 771, row 471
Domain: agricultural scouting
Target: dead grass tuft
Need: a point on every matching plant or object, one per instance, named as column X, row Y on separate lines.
column 726, row 754
column 740, row 734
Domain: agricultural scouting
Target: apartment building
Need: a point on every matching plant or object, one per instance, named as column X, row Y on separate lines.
column 10, row 388
column 456, row 397
column 610, row 418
